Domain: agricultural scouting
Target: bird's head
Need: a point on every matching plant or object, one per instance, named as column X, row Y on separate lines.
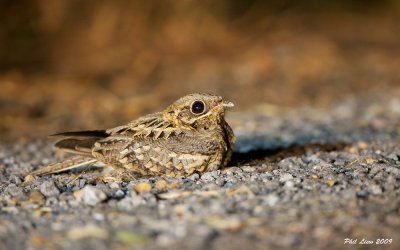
column 197, row 111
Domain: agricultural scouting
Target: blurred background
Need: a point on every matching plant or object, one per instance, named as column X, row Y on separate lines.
column 69, row 64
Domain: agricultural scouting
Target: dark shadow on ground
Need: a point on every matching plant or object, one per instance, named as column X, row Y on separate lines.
column 277, row 154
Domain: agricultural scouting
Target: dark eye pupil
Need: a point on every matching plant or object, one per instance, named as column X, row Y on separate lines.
column 198, row 107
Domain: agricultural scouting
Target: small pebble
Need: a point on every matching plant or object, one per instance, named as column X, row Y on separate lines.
column 330, row 183
column 49, row 189
column 285, row 177
column 362, row 145
column 51, row 201
column 29, row 178
column 289, row 184
column 90, row 195
column 394, row 157
column 15, row 179
column 119, row 193
column 175, row 184
column 220, row 182
column 208, row 176
column 14, row 190
column 362, row 194
column 143, row 187
column 194, row 177
column 271, row 200
column 161, row 185
column 36, row 197
column 375, row 189
column 114, row 185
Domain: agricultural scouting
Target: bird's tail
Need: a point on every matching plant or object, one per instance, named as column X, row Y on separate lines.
column 71, row 163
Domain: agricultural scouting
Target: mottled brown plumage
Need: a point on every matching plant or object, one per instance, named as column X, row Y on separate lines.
column 190, row 136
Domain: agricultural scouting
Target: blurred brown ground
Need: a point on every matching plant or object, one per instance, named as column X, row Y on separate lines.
column 68, row 65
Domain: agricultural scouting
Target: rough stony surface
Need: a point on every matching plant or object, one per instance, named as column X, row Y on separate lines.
column 304, row 178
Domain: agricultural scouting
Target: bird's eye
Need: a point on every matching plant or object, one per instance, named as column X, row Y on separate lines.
column 197, row 107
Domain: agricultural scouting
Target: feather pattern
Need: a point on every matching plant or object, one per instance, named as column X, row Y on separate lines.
column 71, row 163
column 83, row 134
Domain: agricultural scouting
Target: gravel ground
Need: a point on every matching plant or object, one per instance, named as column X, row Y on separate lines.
column 306, row 178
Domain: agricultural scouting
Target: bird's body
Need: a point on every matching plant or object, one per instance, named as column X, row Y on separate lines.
column 189, row 136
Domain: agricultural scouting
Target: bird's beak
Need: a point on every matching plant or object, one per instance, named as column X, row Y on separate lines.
column 228, row 104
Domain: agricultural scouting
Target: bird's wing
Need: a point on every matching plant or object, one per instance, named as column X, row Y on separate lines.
column 82, row 142
column 79, row 142
column 151, row 126
column 82, row 134
column 157, row 155
column 72, row 163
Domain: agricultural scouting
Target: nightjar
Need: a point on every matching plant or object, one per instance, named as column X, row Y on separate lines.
column 190, row 136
